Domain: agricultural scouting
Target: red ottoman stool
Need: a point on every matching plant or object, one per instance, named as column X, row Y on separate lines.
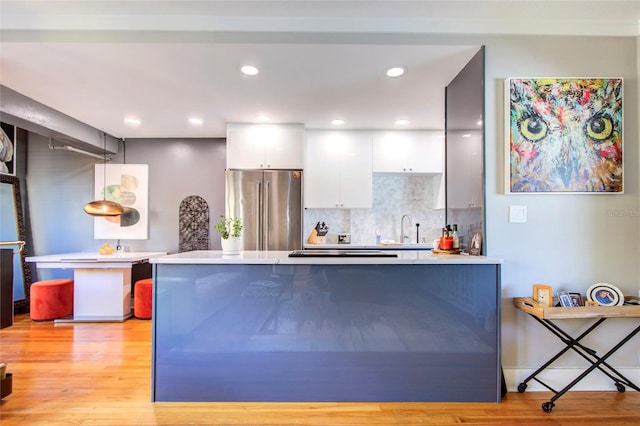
column 51, row 299
column 142, row 299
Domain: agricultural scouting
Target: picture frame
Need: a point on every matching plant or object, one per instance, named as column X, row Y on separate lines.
column 543, row 294
column 475, row 248
column 565, row 299
column 127, row 184
column 551, row 121
column 576, row 299
column 8, row 149
column 605, row 294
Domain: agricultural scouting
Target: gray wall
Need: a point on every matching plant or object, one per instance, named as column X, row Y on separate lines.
column 59, row 183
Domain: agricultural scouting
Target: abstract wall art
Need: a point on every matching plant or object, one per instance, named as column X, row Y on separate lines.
column 126, row 184
column 564, row 135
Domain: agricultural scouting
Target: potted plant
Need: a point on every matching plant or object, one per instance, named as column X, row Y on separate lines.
column 229, row 229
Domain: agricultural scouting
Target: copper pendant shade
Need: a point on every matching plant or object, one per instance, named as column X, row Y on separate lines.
column 104, row 208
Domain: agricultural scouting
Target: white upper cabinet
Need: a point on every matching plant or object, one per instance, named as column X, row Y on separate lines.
column 265, row 146
column 338, row 170
column 408, row 151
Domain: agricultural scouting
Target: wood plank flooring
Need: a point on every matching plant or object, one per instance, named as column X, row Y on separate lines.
column 100, row 374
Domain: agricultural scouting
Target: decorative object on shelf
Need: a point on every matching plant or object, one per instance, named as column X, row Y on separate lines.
column 605, row 294
column 103, row 207
column 230, row 229
column 543, row 294
column 106, row 249
column 476, row 244
column 576, row 299
column 564, row 135
column 193, row 224
column 565, row 299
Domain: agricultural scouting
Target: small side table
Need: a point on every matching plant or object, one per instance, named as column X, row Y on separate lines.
column 544, row 315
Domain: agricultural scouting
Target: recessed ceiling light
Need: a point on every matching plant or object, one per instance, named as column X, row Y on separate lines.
column 337, row 122
column 396, row 71
column 466, row 135
column 249, row 70
column 262, row 118
column 402, row 122
column 479, row 122
column 132, row 121
column 196, row 121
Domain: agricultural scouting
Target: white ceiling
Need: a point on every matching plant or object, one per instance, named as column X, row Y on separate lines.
column 164, row 61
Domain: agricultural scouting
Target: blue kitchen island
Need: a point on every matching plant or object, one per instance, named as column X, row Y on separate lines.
column 263, row 326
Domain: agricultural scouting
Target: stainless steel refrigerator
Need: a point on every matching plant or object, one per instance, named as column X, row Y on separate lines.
column 269, row 202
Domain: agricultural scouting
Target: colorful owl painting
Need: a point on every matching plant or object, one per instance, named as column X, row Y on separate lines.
column 565, row 135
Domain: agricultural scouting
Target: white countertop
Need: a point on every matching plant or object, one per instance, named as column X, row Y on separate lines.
column 86, row 257
column 405, row 257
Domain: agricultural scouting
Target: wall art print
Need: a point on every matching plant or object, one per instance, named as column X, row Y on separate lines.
column 564, row 135
column 7, row 149
column 127, row 184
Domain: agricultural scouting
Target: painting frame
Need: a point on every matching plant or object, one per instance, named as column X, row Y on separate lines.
column 573, row 140
column 127, row 184
column 8, row 149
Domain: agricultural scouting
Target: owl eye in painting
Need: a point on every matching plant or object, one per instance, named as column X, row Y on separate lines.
column 599, row 127
column 533, row 128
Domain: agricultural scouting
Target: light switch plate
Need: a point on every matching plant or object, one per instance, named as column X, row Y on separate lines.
column 518, row 214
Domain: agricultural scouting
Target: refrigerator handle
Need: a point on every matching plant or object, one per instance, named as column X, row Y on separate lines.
column 267, row 196
column 258, row 214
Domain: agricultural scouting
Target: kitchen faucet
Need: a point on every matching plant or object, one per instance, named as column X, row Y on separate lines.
column 404, row 236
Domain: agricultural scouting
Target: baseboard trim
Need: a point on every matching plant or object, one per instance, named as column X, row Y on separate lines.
column 558, row 378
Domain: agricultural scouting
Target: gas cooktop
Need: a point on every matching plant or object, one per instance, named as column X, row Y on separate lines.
column 341, row 253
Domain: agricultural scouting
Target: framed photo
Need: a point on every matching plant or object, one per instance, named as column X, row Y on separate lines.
column 576, row 299
column 126, row 184
column 564, row 135
column 543, row 294
column 7, row 149
column 475, row 249
column 605, row 294
column 565, row 299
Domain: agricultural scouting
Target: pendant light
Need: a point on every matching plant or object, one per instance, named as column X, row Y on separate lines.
column 102, row 208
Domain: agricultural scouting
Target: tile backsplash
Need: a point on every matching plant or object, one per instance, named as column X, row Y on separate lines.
column 393, row 197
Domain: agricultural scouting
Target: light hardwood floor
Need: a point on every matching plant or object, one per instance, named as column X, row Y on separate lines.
column 100, row 374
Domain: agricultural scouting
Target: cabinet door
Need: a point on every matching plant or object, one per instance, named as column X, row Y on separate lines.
column 408, row 151
column 464, row 171
column 425, row 151
column 322, row 170
column 245, row 147
column 285, row 147
column 338, row 169
column 389, row 152
column 356, row 173
column 265, row 146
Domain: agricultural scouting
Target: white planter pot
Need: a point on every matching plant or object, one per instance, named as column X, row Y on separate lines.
column 232, row 245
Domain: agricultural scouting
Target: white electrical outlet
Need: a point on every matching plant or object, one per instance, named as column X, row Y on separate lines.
column 518, row 214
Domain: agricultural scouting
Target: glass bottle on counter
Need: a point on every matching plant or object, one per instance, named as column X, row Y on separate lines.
column 456, row 239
